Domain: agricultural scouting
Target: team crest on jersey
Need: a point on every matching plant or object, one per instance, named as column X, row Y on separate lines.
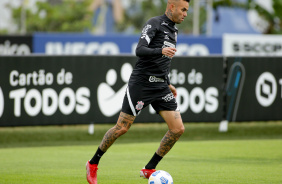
column 139, row 105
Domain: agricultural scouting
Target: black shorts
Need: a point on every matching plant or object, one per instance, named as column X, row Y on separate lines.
column 138, row 97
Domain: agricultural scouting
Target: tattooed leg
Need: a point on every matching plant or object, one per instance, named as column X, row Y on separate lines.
column 176, row 129
column 167, row 142
column 123, row 124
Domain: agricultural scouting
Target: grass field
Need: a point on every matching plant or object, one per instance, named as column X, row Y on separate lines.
column 247, row 153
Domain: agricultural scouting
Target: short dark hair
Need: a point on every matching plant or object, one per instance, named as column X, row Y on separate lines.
column 188, row 1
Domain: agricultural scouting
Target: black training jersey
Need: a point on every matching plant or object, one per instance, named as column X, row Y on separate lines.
column 153, row 67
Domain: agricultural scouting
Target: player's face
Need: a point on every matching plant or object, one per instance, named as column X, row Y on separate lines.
column 180, row 11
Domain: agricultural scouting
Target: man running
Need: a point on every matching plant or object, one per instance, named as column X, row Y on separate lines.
column 149, row 84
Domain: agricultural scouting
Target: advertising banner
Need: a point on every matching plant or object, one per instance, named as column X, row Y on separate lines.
column 254, row 89
column 198, row 81
column 251, row 45
column 86, row 44
column 40, row 90
column 60, row 90
column 15, row 45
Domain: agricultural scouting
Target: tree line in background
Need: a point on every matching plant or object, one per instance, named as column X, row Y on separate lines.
column 75, row 16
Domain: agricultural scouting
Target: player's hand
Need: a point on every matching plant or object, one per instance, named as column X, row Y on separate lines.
column 173, row 90
column 169, row 51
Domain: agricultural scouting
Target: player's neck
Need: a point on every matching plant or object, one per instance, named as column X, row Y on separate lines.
column 168, row 13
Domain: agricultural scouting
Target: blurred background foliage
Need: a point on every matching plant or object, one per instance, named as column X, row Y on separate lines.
column 67, row 16
column 272, row 18
column 136, row 18
column 75, row 16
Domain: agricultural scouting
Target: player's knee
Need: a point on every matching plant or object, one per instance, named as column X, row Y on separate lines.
column 182, row 129
column 179, row 130
column 123, row 130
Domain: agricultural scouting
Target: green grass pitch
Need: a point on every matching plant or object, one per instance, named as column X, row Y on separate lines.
column 246, row 154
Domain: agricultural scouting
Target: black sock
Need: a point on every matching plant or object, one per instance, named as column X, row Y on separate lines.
column 153, row 162
column 96, row 158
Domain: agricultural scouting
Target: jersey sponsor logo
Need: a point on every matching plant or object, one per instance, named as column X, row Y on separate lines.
column 155, row 79
column 166, row 37
column 139, row 105
column 168, row 97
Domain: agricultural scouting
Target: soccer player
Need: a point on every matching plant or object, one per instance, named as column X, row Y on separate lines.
column 149, row 84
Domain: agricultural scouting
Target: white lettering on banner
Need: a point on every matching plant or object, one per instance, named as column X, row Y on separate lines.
column 195, row 78
column 73, row 48
column 1, row 102
column 179, row 78
column 197, row 94
column 83, row 103
column 64, row 77
column 252, row 45
column 211, row 95
column 32, row 110
column 67, row 93
column 17, row 95
column 49, row 101
column 9, row 49
column 67, row 101
column 198, row 99
column 35, row 78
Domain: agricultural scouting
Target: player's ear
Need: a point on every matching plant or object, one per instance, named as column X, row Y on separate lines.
column 171, row 7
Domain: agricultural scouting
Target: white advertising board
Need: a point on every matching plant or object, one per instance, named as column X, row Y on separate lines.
column 251, row 45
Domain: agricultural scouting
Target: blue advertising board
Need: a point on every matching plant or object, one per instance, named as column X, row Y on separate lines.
column 86, row 44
